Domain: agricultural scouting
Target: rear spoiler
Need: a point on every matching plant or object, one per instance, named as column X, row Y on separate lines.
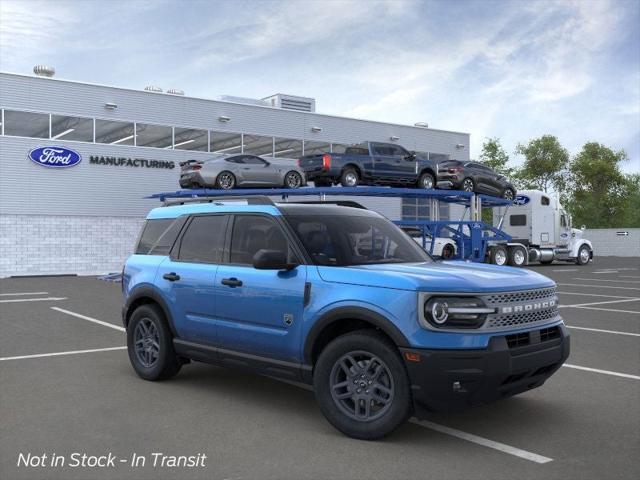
column 189, row 162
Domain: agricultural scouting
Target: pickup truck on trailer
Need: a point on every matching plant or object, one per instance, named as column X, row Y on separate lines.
column 340, row 298
column 371, row 163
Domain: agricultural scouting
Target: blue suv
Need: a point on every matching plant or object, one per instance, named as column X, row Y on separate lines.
column 340, row 298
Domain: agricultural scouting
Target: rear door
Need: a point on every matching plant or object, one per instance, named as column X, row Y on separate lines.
column 390, row 162
column 187, row 277
column 259, row 311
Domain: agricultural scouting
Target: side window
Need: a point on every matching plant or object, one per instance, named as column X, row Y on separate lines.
column 252, row 233
column 252, row 160
column 163, row 245
column 563, row 220
column 203, row 240
column 398, row 151
column 238, row 159
column 151, row 232
column 544, row 200
column 518, row 220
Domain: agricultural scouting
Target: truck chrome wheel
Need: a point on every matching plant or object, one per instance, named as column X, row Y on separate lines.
column 583, row 255
column 146, row 343
column 351, row 179
column 293, row 180
column 518, row 257
column 361, row 386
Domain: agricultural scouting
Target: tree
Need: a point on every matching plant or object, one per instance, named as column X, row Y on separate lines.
column 599, row 194
column 495, row 157
column 545, row 164
column 630, row 215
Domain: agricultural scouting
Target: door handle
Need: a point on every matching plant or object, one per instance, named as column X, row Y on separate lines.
column 231, row 282
column 172, row 277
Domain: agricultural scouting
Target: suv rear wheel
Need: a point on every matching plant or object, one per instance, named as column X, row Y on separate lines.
column 362, row 386
column 150, row 344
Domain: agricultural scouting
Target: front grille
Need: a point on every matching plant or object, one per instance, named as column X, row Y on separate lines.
column 517, row 319
column 522, row 308
column 519, row 297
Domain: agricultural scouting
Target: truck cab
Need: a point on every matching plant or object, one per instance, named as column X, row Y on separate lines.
column 540, row 223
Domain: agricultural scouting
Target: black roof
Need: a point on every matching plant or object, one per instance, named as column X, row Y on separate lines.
column 289, row 209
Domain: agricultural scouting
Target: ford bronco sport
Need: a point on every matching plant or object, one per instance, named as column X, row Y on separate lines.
column 339, row 298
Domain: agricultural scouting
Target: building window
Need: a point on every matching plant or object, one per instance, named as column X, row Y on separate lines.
column 258, row 145
column 71, row 128
column 157, row 136
column 316, row 148
column 191, row 139
column 224, row 142
column 287, row 148
column 26, row 124
column 419, row 209
column 113, row 132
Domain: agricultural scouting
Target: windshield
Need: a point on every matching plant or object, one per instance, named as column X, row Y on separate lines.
column 341, row 240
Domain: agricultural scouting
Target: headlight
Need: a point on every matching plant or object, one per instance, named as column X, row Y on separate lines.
column 456, row 312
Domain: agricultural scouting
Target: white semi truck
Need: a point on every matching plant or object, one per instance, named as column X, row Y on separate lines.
column 541, row 231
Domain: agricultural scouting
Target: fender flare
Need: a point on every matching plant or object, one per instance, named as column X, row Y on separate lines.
column 151, row 293
column 351, row 313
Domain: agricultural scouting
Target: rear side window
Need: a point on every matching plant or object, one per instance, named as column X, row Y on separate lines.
column 253, row 233
column 203, row 240
column 151, row 232
column 518, row 220
column 357, row 151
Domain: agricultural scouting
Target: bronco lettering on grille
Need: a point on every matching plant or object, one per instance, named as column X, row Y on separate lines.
column 528, row 307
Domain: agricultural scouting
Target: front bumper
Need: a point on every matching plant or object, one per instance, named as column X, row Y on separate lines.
column 453, row 379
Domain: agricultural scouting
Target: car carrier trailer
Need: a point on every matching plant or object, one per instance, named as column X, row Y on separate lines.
column 474, row 239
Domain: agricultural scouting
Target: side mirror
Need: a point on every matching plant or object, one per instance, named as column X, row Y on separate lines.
column 411, row 156
column 272, row 260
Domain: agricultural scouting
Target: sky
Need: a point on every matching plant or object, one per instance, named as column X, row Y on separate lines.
column 508, row 69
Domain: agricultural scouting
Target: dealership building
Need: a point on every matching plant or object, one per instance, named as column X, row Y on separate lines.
column 127, row 144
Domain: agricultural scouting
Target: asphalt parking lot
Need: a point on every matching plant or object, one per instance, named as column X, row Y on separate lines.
column 67, row 386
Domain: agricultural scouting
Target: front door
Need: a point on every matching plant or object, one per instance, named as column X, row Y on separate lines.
column 259, row 311
column 257, row 171
column 187, row 279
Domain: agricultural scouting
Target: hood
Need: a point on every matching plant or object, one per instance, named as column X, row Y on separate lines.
column 454, row 276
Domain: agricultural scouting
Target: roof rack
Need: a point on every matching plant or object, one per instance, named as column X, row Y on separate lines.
column 340, row 203
column 219, row 199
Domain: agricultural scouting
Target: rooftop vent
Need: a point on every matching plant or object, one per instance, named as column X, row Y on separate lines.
column 421, row 124
column 153, row 88
column 175, row 91
column 291, row 102
column 44, row 71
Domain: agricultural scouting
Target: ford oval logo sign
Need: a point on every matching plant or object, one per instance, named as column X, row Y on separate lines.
column 55, row 157
column 521, row 200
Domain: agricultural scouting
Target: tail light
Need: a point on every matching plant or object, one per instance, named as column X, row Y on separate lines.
column 299, row 162
column 197, row 166
column 326, row 162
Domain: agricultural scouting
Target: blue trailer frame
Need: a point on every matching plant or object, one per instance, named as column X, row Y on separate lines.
column 472, row 237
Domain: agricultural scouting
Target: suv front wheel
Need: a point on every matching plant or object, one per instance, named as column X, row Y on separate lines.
column 362, row 386
column 150, row 344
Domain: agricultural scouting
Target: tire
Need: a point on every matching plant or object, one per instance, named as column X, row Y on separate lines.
column 517, row 256
column 292, row 180
column 147, row 328
column 426, row 182
column 468, row 185
column 225, row 180
column 508, row 194
column 498, row 255
column 345, row 361
column 349, row 178
column 448, row 251
column 584, row 255
column 322, row 182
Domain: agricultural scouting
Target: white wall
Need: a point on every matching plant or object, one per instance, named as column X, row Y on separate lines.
column 607, row 242
column 53, row 244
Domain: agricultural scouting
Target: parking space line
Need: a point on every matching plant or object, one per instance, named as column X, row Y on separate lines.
column 57, row 354
column 609, row 310
column 633, row 299
column 606, row 372
column 592, row 295
column 603, row 280
column 604, row 331
column 44, row 299
column 596, row 286
column 22, row 293
column 89, row 319
column 485, row 442
column 629, row 276
column 566, row 270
